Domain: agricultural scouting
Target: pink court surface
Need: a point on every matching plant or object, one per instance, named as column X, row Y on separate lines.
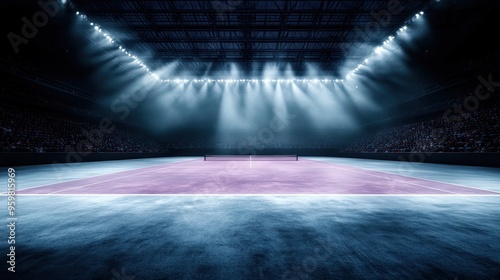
column 253, row 177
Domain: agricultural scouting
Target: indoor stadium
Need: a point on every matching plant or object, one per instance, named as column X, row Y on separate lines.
column 244, row 139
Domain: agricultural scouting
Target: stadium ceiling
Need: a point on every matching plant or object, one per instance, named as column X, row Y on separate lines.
column 206, row 37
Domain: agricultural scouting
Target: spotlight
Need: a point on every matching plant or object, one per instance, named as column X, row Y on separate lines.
column 77, row 13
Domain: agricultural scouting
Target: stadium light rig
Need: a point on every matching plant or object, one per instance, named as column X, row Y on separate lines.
column 229, row 81
column 137, row 61
column 379, row 49
column 106, row 35
column 111, row 40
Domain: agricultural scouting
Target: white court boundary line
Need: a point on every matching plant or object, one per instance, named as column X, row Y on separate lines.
column 388, row 178
column 258, row 195
column 326, row 164
column 82, row 186
column 131, row 170
column 425, row 179
column 112, row 179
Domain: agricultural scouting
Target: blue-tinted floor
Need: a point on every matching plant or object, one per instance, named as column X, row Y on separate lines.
column 256, row 237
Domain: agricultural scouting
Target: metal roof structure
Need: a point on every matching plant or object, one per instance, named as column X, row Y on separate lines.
column 210, row 39
column 206, row 37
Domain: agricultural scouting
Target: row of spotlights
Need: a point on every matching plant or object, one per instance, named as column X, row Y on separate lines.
column 155, row 76
column 250, row 80
column 380, row 48
column 121, row 48
column 140, row 63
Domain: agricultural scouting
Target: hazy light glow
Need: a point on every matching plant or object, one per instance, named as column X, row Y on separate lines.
column 249, row 103
column 276, row 78
column 377, row 50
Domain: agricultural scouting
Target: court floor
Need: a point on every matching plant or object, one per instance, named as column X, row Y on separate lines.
column 316, row 218
column 307, row 176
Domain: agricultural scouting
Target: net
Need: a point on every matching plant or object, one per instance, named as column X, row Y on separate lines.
column 251, row 158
